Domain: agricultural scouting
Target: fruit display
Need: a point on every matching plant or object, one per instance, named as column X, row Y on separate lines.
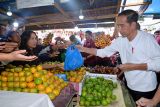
column 102, row 41
column 97, row 92
column 77, row 75
column 32, row 79
column 102, row 70
column 48, row 39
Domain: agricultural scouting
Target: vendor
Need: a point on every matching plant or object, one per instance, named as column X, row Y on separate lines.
column 140, row 55
column 89, row 60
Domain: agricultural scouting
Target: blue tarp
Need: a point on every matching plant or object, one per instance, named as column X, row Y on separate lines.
column 153, row 8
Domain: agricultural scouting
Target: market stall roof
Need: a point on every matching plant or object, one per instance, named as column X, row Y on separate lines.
column 63, row 14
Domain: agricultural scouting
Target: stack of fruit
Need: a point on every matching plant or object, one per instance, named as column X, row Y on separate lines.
column 33, row 80
column 102, row 41
column 77, row 75
column 48, row 39
column 102, row 70
column 97, row 92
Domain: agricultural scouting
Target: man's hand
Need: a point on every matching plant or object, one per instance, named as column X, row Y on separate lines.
column 2, row 46
column 143, row 102
column 18, row 55
column 80, row 47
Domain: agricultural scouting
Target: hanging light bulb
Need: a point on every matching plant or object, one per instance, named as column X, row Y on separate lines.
column 9, row 13
column 81, row 15
column 15, row 24
column 76, row 27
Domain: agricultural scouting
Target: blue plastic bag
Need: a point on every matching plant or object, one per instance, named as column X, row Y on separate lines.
column 73, row 58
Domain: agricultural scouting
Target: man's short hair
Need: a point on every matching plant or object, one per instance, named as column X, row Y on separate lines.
column 89, row 33
column 132, row 16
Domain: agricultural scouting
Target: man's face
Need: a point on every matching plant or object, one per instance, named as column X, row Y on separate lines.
column 124, row 27
column 87, row 36
column 2, row 30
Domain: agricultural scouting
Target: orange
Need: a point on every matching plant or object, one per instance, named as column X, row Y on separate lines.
column 40, row 87
column 10, row 74
column 50, row 74
column 56, row 92
column 33, row 69
column 37, row 74
column 51, row 96
column 48, row 90
column 29, row 78
column 16, row 79
column 16, row 84
column 72, row 79
column 31, row 85
column 4, row 73
column 4, row 84
column 39, row 67
column 4, row 78
column 42, row 91
column 44, row 78
column 21, row 73
column 22, row 79
column 15, row 74
column 23, row 84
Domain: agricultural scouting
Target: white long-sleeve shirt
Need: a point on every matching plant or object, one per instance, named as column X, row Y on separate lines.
column 142, row 49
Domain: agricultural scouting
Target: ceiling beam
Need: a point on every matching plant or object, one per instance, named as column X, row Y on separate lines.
column 135, row 4
column 89, row 10
column 73, row 20
column 62, row 11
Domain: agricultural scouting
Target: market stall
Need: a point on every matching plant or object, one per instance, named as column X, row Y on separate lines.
column 47, row 82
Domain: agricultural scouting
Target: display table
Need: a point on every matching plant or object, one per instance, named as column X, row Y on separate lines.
column 20, row 99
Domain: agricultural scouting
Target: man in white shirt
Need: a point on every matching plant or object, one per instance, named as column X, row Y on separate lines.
column 139, row 52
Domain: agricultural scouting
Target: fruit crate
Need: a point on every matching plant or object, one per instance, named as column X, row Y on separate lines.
column 119, row 102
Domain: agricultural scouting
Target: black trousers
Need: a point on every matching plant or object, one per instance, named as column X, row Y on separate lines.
column 137, row 95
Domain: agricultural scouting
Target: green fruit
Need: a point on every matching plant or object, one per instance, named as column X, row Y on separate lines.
column 18, row 89
column 98, row 103
column 89, row 97
column 87, row 103
column 109, row 100
column 38, row 81
column 115, row 85
column 84, row 94
column 109, row 94
column 114, row 97
column 82, row 103
column 93, row 103
column 34, row 90
column 104, row 103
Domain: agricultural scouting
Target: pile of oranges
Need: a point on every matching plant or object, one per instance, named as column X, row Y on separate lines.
column 77, row 75
column 31, row 79
column 102, row 41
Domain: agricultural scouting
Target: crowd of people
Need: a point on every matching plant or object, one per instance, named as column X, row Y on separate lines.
column 139, row 52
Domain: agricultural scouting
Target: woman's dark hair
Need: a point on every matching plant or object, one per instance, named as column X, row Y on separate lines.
column 132, row 16
column 24, row 40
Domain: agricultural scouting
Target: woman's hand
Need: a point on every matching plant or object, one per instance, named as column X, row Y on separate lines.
column 18, row 55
